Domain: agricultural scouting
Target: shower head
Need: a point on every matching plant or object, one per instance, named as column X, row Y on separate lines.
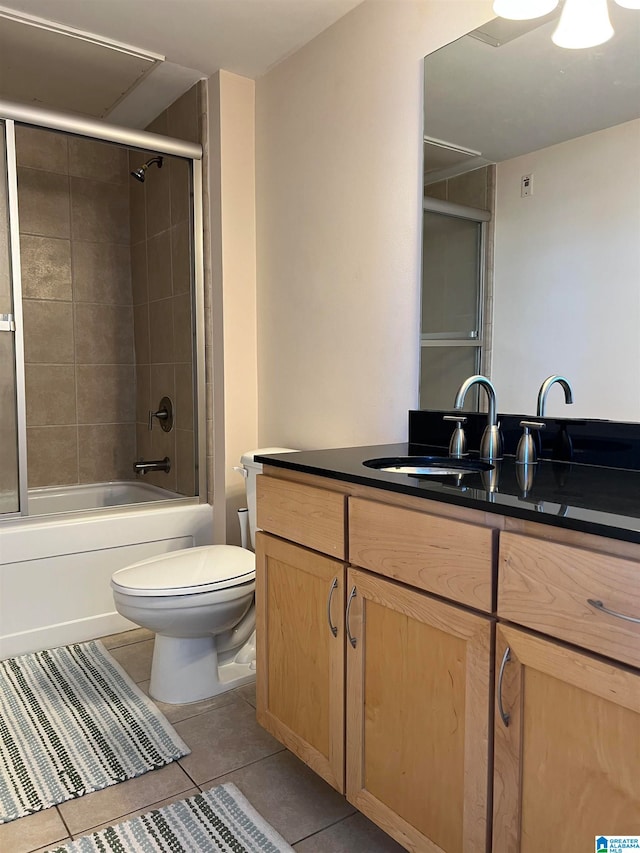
column 139, row 173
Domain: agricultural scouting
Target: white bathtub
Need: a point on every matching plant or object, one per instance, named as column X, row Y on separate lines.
column 55, row 568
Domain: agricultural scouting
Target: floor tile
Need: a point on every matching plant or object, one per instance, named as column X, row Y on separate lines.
column 126, row 638
column 248, row 693
column 355, row 834
column 190, row 792
column 43, row 828
column 110, row 804
column 135, row 659
column 292, row 798
column 223, row 740
column 175, row 713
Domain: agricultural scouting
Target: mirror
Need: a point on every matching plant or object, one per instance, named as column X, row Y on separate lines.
column 548, row 140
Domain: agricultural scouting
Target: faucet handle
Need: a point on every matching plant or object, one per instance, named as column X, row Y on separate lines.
column 458, row 442
column 526, row 452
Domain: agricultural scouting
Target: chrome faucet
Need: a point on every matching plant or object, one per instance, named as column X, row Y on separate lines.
column 544, row 390
column 491, row 443
column 142, row 467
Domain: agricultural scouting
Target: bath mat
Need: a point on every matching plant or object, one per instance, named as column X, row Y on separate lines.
column 73, row 722
column 220, row 819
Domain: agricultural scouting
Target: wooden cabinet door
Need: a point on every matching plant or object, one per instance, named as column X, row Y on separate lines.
column 300, row 653
column 418, row 695
column 567, row 747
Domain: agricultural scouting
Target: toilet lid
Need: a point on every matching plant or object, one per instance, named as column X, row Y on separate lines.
column 190, row 570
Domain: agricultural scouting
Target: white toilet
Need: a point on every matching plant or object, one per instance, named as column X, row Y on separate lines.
column 200, row 604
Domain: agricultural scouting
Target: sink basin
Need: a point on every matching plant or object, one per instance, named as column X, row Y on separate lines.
column 424, row 466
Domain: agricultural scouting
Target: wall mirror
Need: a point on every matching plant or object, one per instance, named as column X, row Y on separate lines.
column 531, row 231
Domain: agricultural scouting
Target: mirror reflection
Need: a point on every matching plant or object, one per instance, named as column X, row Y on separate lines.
column 531, row 230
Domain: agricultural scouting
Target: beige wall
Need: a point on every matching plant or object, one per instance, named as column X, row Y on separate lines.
column 231, row 264
column 338, row 178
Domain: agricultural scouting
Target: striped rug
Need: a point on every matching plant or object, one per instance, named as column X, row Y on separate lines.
column 72, row 722
column 220, row 819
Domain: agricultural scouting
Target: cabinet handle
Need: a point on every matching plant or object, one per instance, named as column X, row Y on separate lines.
column 352, row 595
column 505, row 716
column 333, row 628
column 600, row 606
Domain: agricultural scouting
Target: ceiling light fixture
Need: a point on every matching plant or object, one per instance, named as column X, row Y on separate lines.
column 583, row 23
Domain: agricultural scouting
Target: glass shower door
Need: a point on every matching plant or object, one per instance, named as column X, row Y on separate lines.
column 9, row 454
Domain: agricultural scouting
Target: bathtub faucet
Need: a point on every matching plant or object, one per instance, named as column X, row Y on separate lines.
column 142, row 467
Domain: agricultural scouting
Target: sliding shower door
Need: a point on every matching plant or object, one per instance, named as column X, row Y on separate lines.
column 9, row 455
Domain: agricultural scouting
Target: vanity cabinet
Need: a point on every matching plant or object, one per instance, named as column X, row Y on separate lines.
column 385, row 694
column 567, row 721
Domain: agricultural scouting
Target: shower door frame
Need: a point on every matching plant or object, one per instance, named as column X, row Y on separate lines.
column 12, row 112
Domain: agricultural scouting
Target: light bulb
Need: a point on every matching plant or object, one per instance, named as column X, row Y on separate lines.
column 629, row 4
column 523, row 10
column 583, row 23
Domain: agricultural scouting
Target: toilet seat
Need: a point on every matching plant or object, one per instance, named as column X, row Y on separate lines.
column 187, row 572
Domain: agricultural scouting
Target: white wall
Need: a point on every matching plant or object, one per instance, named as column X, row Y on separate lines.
column 338, row 179
column 567, row 276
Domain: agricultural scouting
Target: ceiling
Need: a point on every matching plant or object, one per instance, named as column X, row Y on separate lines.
column 161, row 48
column 507, row 90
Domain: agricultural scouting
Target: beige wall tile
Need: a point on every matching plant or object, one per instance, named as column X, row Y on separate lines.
column 52, row 456
column 106, row 452
column 159, row 124
column 181, row 258
column 184, row 396
column 163, row 444
column 48, row 332
column 469, row 189
column 104, row 334
column 98, row 160
column 143, row 442
column 139, row 288
column 106, row 393
column 51, row 394
column 99, row 211
column 180, row 190
column 438, row 190
column 43, row 201
column 143, row 393
column 46, row 267
column 141, row 333
column 183, row 116
column 182, row 328
column 158, row 198
column 162, row 385
column 138, row 217
column 102, row 273
column 161, row 331
column 159, row 265
column 42, row 149
column 185, row 462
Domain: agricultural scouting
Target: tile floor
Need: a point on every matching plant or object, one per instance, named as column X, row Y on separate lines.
column 227, row 746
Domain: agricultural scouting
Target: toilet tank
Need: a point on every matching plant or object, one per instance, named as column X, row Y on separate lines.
column 252, row 469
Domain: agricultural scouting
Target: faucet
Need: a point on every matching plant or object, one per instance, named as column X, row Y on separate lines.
column 142, row 467
column 544, row 390
column 491, row 443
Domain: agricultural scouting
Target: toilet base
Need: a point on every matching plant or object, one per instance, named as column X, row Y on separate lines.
column 187, row 670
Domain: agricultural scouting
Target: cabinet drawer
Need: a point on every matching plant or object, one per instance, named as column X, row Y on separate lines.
column 547, row 586
column 303, row 514
column 450, row 558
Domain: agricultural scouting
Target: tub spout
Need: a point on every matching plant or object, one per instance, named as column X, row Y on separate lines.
column 142, row 467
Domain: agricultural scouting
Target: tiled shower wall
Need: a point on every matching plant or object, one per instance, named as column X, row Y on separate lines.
column 161, row 276
column 79, row 360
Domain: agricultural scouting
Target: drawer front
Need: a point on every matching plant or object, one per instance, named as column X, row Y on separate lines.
column 547, row 586
column 450, row 558
column 303, row 514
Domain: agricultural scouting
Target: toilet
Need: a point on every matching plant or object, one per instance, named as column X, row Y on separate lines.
column 199, row 602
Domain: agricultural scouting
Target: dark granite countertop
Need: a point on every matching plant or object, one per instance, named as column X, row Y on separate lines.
column 588, row 498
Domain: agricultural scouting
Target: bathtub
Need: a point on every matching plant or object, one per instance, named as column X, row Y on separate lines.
column 56, row 564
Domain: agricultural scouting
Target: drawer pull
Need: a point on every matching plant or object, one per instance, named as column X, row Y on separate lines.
column 600, row 606
column 352, row 595
column 506, row 717
column 333, row 628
